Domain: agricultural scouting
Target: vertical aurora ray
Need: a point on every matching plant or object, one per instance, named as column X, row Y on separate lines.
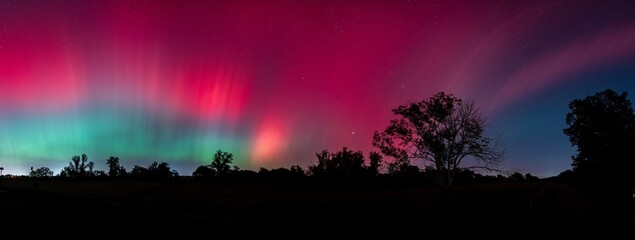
column 275, row 82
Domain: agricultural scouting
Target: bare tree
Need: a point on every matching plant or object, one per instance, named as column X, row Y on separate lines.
column 442, row 131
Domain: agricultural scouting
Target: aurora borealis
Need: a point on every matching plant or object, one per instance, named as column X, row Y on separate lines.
column 276, row 81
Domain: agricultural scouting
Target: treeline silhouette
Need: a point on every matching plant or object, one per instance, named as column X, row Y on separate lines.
column 440, row 131
column 343, row 169
column 80, row 167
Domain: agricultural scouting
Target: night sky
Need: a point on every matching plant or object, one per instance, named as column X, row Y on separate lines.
column 276, row 81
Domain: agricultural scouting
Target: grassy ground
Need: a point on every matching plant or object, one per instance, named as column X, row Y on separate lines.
column 114, row 209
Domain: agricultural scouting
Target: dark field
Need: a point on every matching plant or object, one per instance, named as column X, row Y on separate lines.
column 103, row 209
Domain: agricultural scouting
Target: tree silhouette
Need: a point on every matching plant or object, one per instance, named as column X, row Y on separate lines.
column 100, row 173
column 153, row 167
column 41, row 172
column 90, row 166
column 342, row 163
column 114, row 168
column 602, row 127
column 139, row 171
column 297, row 171
column 77, row 167
column 154, row 170
column 441, row 130
column 321, row 168
column 531, row 178
column 402, row 167
column 163, row 170
column 221, row 161
column 375, row 163
column 517, row 177
column 1, row 169
column 204, row 171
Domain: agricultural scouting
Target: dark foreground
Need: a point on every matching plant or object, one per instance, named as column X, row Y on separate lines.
column 185, row 209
